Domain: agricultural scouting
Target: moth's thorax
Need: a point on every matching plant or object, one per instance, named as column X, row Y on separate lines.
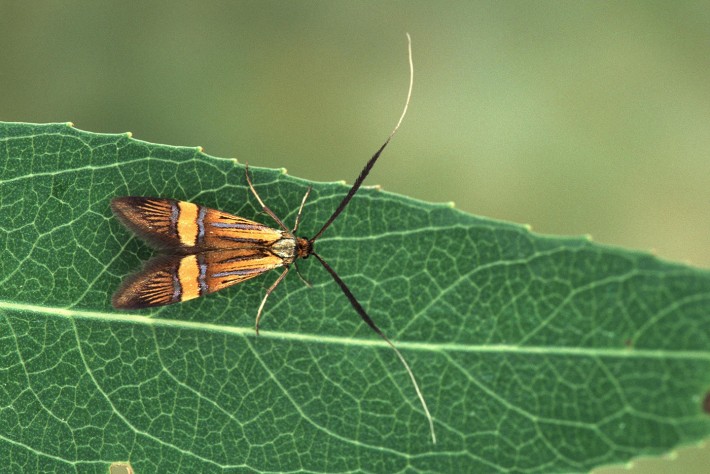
column 285, row 248
column 289, row 248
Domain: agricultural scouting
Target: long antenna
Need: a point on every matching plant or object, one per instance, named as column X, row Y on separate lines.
column 366, row 170
column 363, row 314
column 353, row 301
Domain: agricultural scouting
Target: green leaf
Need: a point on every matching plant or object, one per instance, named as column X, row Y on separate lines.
column 535, row 353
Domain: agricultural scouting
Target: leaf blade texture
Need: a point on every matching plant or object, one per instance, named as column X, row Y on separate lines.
column 535, row 353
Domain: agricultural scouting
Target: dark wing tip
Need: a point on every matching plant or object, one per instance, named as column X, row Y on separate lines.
column 151, row 286
column 129, row 294
column 127, row 205
column 128, row 300
column 152, row 219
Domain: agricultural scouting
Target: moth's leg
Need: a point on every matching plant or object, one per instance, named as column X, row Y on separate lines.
column 303, row 279
column 300, row 211
column 266, row 296
column 264, row 207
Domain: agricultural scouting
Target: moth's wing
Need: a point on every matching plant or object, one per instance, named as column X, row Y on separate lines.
column 188, row 227
column 168, row 279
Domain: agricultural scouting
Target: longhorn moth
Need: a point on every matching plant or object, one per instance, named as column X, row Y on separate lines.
column 205, row 250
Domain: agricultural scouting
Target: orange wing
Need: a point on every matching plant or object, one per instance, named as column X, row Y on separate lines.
column 168, row 279
column 189, row 228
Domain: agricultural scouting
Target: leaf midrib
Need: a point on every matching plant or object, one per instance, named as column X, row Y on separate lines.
column 349, row 341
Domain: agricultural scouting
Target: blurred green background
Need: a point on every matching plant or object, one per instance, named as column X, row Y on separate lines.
column 576, row 118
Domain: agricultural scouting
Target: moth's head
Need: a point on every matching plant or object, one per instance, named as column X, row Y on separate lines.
column 304, row 247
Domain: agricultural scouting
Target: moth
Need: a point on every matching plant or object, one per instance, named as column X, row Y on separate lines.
column 206, row 250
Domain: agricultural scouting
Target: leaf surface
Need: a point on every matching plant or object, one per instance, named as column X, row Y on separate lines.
column 535, row 353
